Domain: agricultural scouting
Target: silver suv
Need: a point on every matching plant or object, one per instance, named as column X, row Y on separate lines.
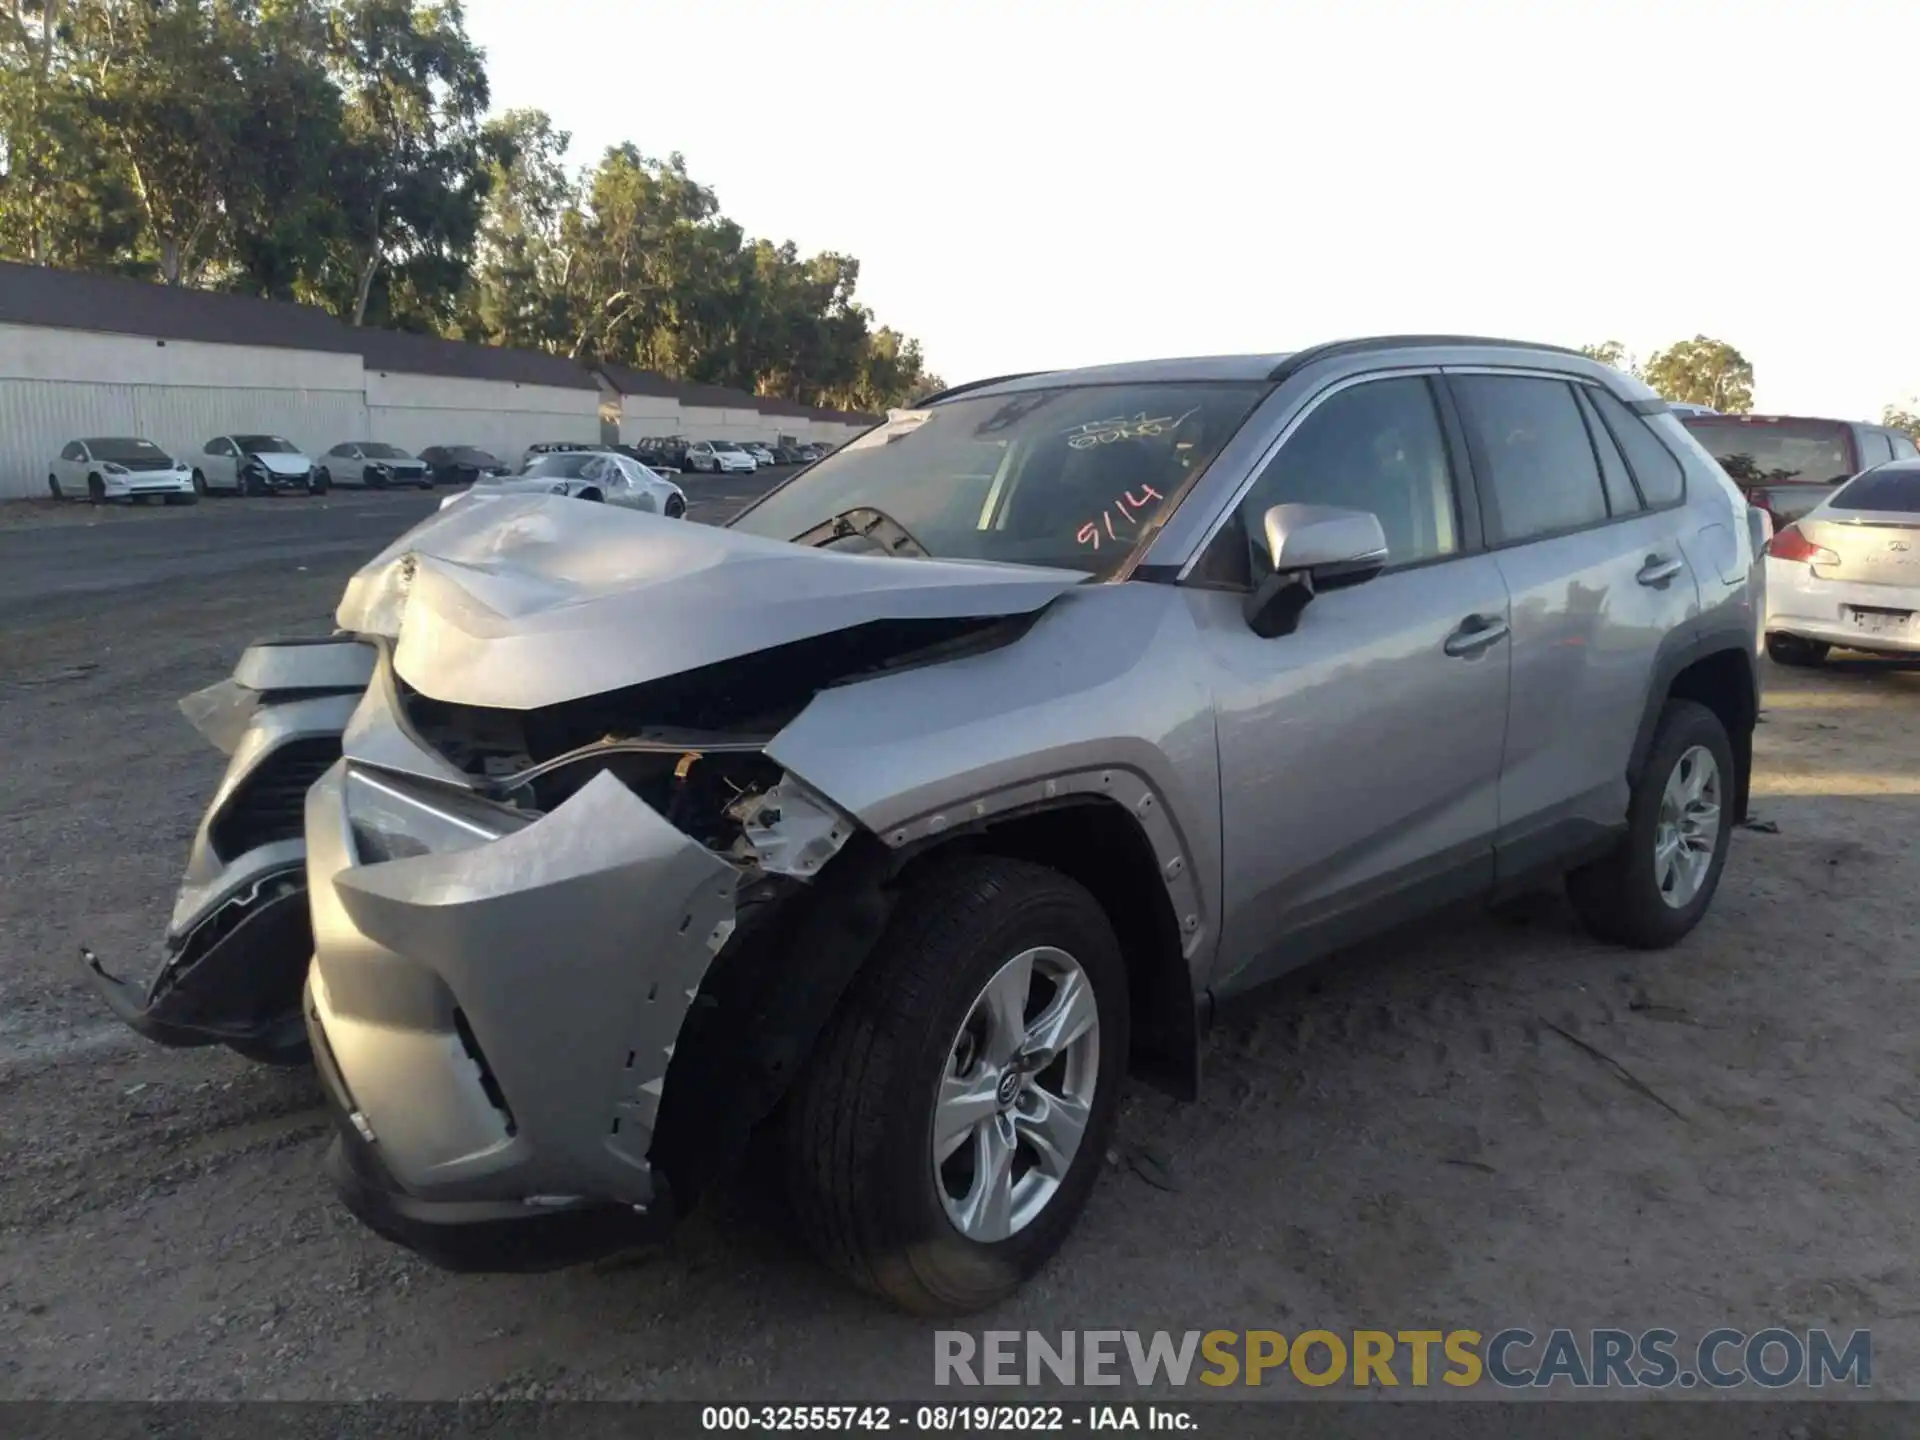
column 953, row 782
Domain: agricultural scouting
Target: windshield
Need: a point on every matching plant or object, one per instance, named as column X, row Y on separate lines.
column 727, row 445
column 562, row 465
column 123, row 449
column 1771, row 452
column 264, row 445
column 374, row 450
column 1891, row 489
column 1072, row 477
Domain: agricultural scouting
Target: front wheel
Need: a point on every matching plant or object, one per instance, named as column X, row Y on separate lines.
column 1784, row 649
column 953, row 1117
column 1653, row 889
column 96, row 490
column 53, row 487
column 199, row 483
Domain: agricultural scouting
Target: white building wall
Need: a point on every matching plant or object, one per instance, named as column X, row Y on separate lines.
column 645, row 415
column 415, row 411
column 60, row 385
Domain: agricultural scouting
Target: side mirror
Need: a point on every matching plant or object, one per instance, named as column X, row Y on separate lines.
column 1312, row 548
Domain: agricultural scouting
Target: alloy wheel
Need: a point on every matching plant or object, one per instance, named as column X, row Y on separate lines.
column 1016, row 1092
column 1688, row 828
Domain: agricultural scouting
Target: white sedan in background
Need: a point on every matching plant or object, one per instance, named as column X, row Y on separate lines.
column 720, row 457
column 1847, row 572
column 118, row 468
column 605, row 476
column 256, row 465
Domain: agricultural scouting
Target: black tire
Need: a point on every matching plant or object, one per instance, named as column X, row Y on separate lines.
column 200, row 484
column 857, row 1130
column 1618, row 898
column 591, row 494
column 53, row 487
column 96, row 490
column 1785, row 649
column 676, row 508
column 372, row 481
column 252, row 483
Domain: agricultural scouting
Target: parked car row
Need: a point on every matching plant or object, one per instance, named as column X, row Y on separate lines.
column 99, row 469
column 676, row 452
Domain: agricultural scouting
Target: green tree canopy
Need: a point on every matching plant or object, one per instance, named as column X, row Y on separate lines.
column 338, row 152
column 1903, row 419
column 1702, row 371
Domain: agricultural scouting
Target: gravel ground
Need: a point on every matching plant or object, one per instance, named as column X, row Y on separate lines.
column 1487, row 1122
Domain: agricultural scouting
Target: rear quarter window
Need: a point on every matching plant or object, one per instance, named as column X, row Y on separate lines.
column 1876, row 448
column 1656, row 469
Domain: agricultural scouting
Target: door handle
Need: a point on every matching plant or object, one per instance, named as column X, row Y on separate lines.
column 1658, row 570
column 1475, row 634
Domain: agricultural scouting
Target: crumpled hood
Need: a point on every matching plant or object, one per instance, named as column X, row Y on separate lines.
column 534, row 600
column 282, row 464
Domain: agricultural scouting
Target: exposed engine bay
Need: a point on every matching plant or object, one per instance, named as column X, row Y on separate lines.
column 691, row 745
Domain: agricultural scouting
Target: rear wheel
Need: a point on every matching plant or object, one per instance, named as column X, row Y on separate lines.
column 953, row 1117
column 593, row 495
column 1784, row 649
column 1652, row 890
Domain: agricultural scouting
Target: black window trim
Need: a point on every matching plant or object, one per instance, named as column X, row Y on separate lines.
column 1466, row 499
column 1680, row 461
column 1590, row 416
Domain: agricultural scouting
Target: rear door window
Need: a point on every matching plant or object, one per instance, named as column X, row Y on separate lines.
column 1875, row 448
column 1904, row 448
column 1539, row 476
column 1656, row 469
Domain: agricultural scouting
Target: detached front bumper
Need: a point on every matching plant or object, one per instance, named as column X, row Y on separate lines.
column 494, row 1000
column 235, row 953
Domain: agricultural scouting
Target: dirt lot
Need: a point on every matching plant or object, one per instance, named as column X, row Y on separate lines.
column 1438, row 1133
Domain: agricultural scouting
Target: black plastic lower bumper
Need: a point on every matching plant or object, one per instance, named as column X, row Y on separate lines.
column 496, row 1237
column 235, row 981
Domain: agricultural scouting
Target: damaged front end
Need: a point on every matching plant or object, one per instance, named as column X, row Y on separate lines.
column 235, row 952
column 563, row 899
column 513, row 914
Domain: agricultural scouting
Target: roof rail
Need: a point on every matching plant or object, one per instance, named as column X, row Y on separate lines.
column 1301, row 358
column 953, row 390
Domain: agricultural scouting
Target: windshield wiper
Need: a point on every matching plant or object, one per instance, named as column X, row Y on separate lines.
column 865, row 523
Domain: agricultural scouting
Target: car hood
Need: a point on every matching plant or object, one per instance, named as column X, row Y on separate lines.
column 534, row 600
column 282, row 464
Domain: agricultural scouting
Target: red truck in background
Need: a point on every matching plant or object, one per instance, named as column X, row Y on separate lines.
column 1787, row 464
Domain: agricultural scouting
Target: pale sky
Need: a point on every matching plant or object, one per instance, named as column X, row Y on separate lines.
column 1038, row 183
